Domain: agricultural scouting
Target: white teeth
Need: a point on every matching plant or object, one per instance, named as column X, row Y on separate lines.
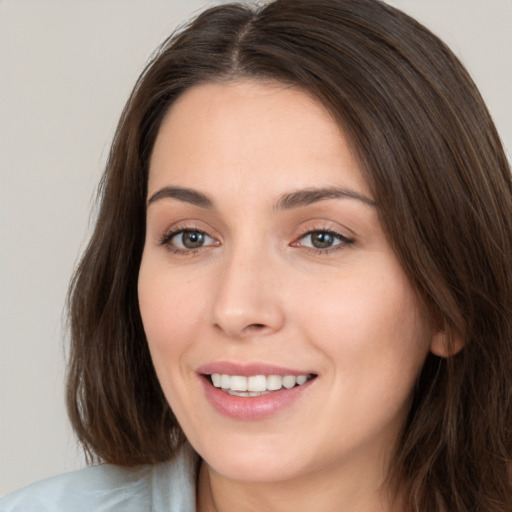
column 216, row 379
column 255, row 385
column 274, row 382
column 301, row 379
column 244, row 393
column 225, row 381
column 238, row 383
column 289, row 381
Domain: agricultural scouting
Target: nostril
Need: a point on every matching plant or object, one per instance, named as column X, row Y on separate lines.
column 254, row 328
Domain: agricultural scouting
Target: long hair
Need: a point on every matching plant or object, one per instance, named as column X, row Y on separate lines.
column 437, row 169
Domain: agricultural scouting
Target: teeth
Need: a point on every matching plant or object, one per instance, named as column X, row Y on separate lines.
column 289, row 381
column 301, row 379
column 238, row 383
column 274, row 382
column 225, row 381
column 256, row 385
column 216, row 379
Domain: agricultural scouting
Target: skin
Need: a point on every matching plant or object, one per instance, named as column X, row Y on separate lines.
column 258, row 291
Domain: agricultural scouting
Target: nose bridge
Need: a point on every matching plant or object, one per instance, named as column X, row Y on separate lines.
column 247, row 300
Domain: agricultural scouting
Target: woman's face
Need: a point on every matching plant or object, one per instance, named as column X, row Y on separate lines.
column 265, row 266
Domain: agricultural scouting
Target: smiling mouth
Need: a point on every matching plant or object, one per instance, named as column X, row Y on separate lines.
column 256, row 385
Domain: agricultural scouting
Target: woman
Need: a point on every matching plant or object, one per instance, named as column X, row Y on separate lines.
column 298, row 293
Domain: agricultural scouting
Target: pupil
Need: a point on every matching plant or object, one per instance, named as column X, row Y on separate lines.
column 322, row 240
column 193, row 239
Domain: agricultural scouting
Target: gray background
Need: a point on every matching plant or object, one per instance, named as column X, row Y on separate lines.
column 66, row 69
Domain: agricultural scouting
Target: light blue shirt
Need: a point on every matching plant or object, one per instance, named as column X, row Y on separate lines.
column 167, row 487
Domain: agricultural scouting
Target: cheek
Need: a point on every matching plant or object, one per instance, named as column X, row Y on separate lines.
column 375, row 341
column 169, row 312
column 370, row 325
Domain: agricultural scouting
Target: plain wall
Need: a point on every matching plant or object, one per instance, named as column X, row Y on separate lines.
column 66, row 69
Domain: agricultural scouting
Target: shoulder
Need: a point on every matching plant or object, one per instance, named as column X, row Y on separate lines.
column 85, row 489
column 108, row 488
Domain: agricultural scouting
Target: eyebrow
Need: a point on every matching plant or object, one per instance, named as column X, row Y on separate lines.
column 187, row 195
column 286, row 201
column 309, row 196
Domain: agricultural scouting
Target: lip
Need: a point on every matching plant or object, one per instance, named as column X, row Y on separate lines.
column 246, row 370
column 251, row 408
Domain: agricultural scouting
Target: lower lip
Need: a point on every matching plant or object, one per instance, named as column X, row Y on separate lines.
column 252, row 408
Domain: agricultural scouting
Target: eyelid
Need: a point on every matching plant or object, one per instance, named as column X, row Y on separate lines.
column 173, row 236
column 344, row 240
column 186, row 226
column 171, row 233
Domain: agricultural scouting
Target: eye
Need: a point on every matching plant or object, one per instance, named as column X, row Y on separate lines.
column 323, row 240
column 188, row 240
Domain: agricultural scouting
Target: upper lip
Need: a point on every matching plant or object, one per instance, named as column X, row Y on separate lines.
column 246, row 370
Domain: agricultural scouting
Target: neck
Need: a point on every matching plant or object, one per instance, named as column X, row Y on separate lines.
column 331, row 491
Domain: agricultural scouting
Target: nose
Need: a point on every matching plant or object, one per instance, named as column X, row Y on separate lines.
column 246, row 303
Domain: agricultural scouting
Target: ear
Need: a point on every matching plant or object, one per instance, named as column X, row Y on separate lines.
column 446, row 344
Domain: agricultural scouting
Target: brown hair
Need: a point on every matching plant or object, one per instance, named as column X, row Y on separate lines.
column 442, row 183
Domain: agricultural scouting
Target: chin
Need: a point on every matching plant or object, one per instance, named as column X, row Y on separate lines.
column 253, row 467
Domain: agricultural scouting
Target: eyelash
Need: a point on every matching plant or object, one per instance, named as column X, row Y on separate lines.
column 167, row 238
column 344, row 241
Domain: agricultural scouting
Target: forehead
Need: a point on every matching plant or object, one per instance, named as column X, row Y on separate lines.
column 249, row 134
